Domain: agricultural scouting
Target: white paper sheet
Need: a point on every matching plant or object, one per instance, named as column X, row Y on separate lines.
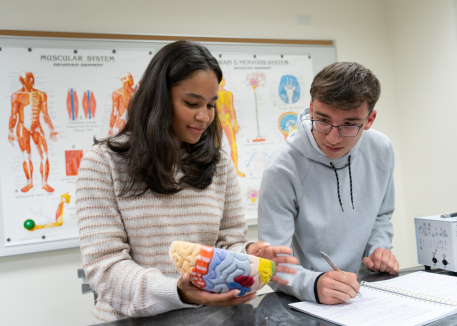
column 378, row 308
column 436, row 285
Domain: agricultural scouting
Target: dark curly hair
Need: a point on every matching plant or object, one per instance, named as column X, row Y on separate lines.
column 147, row 146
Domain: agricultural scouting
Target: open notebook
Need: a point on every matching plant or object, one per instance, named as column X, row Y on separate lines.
column 411, row 300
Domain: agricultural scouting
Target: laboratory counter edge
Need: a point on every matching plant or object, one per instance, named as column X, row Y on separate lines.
column 267, row 309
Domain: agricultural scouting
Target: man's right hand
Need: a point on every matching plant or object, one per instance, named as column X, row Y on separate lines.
column 189, row 293
column 334, row 287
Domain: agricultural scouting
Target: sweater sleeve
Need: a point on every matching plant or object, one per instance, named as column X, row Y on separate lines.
column 233, row 228
column 277, row 213
column 383, row 230
column 118, row 280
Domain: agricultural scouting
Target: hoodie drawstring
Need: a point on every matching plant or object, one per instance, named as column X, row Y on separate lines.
column 350, row 180
column 338, row 183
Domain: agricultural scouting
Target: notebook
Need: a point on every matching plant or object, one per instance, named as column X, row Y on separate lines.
column 411, row 300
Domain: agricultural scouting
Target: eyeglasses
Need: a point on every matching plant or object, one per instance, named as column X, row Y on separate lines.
column 345, row 131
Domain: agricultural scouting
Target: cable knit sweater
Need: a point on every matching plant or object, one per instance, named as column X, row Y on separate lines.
column 124, row 241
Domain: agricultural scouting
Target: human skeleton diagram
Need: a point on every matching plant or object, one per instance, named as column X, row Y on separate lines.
column 227, row 115
column 89, row 104
column 121, row 98
column 72, row 104
column 27, row 104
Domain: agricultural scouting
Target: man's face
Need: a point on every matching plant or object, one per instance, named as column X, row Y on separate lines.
column 333, row 144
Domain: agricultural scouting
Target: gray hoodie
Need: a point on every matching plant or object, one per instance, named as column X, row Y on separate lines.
column 299, row 204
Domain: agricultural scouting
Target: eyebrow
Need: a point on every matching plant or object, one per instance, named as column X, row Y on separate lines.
column 199, row 97
column 323, row 115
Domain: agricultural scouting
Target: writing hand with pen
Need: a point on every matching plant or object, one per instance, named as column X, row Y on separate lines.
column 336, row 287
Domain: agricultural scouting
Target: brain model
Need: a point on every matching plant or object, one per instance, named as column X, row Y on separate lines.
column 219, row 270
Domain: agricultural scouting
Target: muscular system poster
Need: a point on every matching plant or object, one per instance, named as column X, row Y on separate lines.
column 259, row 100
column 53, row 102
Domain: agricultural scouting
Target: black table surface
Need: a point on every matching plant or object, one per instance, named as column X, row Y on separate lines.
column 265, row 310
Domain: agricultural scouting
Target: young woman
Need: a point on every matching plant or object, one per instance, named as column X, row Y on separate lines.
column 162, row 178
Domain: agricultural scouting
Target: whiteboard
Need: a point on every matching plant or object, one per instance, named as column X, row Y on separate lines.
column 321, row 56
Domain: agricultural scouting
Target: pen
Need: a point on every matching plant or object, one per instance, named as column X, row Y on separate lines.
column 449, row 215
column 335, row 268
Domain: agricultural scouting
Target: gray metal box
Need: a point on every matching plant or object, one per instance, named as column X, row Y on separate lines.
column 436, row 241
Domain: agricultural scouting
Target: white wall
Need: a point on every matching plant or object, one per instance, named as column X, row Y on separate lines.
column 43, row 289
column 425, row 61
column 383, row 35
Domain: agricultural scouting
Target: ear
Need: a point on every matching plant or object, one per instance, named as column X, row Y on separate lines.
column 311, row 109
column 370, row 120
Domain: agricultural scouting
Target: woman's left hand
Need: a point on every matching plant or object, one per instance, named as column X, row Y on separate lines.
column 264, row 250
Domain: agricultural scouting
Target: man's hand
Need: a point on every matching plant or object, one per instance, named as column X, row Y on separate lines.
column 263, row 250
column 189, row 293
column 381, row 260
column 334, row 287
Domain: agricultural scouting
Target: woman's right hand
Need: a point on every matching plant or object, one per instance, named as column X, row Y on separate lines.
column 189, row 293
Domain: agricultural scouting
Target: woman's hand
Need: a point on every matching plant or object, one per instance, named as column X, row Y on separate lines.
column 263, row 250
column 189, row 293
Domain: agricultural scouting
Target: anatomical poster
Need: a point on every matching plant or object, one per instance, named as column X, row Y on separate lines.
column 53, row 103
column 259, row 100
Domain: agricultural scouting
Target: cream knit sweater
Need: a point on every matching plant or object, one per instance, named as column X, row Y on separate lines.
column 124, row 241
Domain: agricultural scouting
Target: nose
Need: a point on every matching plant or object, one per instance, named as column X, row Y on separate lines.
column 203, row 115
column 334, row 137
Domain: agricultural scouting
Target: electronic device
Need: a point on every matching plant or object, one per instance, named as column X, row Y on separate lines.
column 436, row 241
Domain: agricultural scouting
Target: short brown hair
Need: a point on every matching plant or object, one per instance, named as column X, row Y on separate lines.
column 346, row 85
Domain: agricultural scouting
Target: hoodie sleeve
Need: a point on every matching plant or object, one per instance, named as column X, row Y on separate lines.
column 278, row 209
column 383, row 230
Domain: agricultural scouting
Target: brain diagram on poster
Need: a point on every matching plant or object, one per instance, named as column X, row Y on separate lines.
column 259, row 101
column 54, row 101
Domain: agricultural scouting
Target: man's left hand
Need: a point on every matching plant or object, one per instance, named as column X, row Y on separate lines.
column 382, row 260
column 264, row 250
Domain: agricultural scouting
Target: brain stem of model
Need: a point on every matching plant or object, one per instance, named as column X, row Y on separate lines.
column 220, row 271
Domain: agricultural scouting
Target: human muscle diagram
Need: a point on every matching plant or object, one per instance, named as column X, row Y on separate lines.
column 121, row 98
column 51, row 112
column 72, row 104
column 30, row 225
column 27, row 105
column 72, row 161
column 259, row 101
column 89, row 104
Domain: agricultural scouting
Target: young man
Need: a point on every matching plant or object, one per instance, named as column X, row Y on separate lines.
column 330, row 188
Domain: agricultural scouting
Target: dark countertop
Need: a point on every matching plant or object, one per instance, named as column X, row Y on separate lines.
column 268, row 309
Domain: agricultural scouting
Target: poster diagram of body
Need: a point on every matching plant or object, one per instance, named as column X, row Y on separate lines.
column 259, row 100
column 54, row 101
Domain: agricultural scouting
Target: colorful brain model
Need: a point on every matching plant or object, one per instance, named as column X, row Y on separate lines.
column 219, row 270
